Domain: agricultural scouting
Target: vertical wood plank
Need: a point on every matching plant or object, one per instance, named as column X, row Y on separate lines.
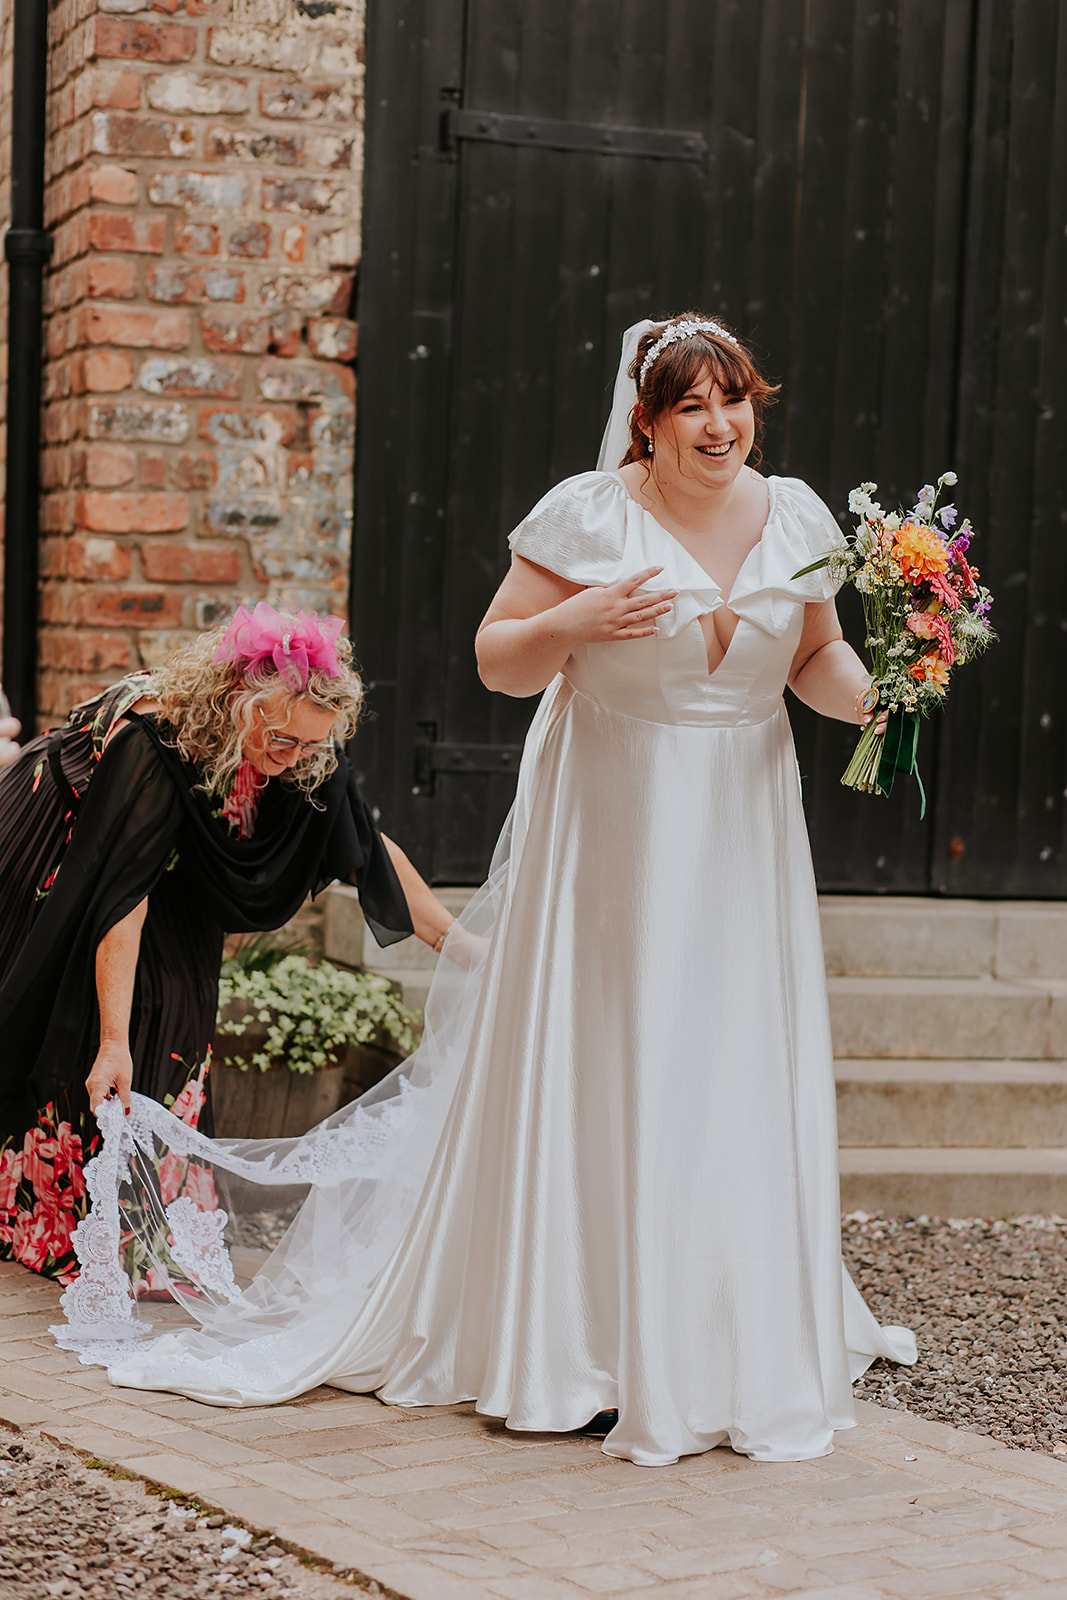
column 1004, row 756
column 414, row 49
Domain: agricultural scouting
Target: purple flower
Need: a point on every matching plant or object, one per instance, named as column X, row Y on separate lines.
column 961, row 543
column 948, row 516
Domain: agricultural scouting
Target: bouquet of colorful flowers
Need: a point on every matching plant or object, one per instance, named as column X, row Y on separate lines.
column 925, row 611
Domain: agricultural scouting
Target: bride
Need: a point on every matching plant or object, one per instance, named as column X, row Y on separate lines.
column 606, row 1182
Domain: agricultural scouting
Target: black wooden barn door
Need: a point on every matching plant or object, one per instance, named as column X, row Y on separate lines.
column 865, row 189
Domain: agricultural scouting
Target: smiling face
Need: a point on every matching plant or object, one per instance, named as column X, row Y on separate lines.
column 705, row 438
column 305, row 722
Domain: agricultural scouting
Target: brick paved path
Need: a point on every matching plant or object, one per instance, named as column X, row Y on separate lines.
column 440, row 1504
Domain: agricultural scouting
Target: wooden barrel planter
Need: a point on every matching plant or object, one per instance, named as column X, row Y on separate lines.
column 280, row 1103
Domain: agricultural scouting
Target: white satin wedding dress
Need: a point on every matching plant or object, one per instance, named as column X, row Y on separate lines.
column 608, row 1178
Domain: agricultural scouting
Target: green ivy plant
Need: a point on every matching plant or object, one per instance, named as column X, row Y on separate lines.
column 311, row 1012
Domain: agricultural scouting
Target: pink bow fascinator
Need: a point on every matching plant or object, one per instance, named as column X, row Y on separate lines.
column 295, row 645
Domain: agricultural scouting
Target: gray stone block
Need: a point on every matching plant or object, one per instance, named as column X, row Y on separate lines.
column 349, row 940
column 344, row 926
column 952, row 1103
column 939, row 1018
column 1031, row 941
column 873, row 936
column 955, row 1183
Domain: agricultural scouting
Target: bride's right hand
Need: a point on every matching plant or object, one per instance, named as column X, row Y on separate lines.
column 112, row 1069
column 616, row 611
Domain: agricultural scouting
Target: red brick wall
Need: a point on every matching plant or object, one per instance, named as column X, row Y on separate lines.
column 203, row 189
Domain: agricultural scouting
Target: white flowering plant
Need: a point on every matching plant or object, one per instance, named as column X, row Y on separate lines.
column 311, row 1012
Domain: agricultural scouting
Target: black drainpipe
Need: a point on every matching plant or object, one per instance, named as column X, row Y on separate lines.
column 27, row 248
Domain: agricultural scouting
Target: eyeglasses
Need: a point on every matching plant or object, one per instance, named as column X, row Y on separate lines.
column 283, row 742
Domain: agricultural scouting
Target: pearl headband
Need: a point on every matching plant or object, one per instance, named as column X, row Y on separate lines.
column 679, row 330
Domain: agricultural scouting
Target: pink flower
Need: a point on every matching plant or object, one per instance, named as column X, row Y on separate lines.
column 155, row 1285
column 45, row 1231
column 38, row 1153
column 923, row 623
column 190, row 1102
column 967, row 573
column 10, row 1177
column 944, row 634
column 942, row 587
column 68, row 1153
column 200, row 1188
column 171, row 1173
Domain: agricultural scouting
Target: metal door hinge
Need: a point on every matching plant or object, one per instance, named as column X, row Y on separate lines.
column 595, row 138
column 433, row 756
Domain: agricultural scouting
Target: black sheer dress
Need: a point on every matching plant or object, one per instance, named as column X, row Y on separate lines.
column 88, row 829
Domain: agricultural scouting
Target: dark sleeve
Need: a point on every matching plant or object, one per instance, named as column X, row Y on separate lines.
column 122, row 840
column 355, row 854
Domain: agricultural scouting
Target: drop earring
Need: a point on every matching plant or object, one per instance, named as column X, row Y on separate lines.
column 650, row 446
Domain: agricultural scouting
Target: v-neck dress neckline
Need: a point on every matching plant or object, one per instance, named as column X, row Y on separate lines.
column 616, row 474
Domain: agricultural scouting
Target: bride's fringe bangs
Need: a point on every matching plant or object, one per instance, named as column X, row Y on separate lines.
column 210, row 708
column 732, row 368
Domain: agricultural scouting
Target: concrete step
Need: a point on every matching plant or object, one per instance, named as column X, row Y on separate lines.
column 413, row 982
column 883, row 1018
column 864, row 936
column 347, row 938
column 876, row 937
column 955, row 1183
column 952, row 1103
column 944, row 1018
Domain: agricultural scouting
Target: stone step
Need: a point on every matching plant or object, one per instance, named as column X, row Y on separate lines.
column 879, row 937
column 864, row 936
column 945, row 1018
column 889, row 1019
column 347, row 938
column 952, row 1103
column 413, row 982
column 986, row 1182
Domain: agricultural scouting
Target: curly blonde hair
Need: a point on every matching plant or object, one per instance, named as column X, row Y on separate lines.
column 210, row 707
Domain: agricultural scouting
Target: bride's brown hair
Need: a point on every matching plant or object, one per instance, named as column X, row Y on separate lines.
column 678, row 367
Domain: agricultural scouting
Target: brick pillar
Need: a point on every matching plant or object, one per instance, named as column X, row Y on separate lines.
column 203, row 187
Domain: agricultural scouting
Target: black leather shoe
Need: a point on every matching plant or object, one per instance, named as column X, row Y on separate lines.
column 601, row 1424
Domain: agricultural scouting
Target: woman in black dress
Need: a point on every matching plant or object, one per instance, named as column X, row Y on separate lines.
column 212, row 797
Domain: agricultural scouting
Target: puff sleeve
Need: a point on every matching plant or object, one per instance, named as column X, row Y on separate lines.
column 800, row 529
column 576, row 530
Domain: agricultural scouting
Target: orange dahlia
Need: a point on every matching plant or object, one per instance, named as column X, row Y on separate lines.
column 932, row 669
column 919, row 551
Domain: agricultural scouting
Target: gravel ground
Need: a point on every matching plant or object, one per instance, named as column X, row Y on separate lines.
column 76, row 1532
column 988, row 1303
